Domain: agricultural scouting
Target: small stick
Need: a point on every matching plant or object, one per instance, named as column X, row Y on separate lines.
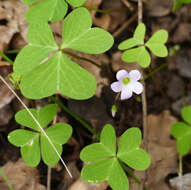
column 127, row 4
column 125, row 25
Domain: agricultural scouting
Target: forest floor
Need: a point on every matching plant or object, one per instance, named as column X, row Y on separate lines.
column 168, row 89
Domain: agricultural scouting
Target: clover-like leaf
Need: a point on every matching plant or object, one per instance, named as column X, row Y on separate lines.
column 105, row 163
column 45, row 115
column 139, row 54
column 78, row 35
column 129, row 151
column 31, row 148
column 45, row 70
column 156, row 43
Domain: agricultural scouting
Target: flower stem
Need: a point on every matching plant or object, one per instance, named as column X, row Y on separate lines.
column 6, row 58
column 180, row 166
column 2, row 173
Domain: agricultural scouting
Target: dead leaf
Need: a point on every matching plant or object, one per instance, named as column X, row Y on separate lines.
column 21, row 176
column 162, row 150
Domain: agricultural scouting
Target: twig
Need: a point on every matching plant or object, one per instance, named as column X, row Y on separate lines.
column 37, row 122
column 127, row 4
column 125, row 25
column 144, row 100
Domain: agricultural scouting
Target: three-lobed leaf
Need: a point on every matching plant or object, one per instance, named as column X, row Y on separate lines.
column 46, row 71
column 135, row 48
column 182, row 131
column 105, row 162
column 35, row 144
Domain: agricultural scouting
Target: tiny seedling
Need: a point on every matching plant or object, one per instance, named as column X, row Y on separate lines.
column 136, row 49
column 33, row 143
column 49, row 10
column 44, row 67
column 106, row 161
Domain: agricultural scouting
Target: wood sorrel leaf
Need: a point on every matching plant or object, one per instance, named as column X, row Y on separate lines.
column 46, row 71
column 45, row 115
column 29, row 143
column 41, row 44
column 137, row 39
column 58, row 133
column 106, row 147
column 76, row 3
column 59, row 74
column 47, row 10
column 156, row 43
column 105, row 163
column 139, row 55
column 129, row 151
column 78, row 34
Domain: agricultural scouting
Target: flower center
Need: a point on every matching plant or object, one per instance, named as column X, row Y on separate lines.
column 126, row 81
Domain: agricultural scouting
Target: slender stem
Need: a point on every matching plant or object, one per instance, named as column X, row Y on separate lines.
column 37, row 122
column 14, row 51
column 6, row 58
column 180, row 166
column 102, row 10
column 75, row 116
column 49, row 178
column 2, row 173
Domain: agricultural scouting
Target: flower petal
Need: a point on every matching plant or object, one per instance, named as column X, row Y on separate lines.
column 126, row 93
column 137, row 88
column 116, row 86
column 135, row 75
column 121, row 74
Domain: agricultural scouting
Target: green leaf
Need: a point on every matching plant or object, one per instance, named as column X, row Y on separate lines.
column 31, row 152
column 41, row 44
column 186, row 114
column 156, row 43
column 139, row 33
column 182, row 132
column 129, row 151
column 44, row 116
column 21, row 137
column 76, row 3
column 47, row 10
column 30, row 2
column 49, row 156
column 58, row 74
column 98, row 171
column 59, row 133
column 131, row 42
column 106, row 147
column 117, row 173
column 139, row 55
column 78, row 34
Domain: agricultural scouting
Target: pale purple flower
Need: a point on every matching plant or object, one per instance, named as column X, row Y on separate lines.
column 127, row 83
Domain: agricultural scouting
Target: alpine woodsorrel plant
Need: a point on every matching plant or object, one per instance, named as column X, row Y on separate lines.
column 136, row 49
column 33, row 143
column 106, row 160
column 44, row 74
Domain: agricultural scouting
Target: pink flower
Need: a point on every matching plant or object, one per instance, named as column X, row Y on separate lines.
column 127, row 83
